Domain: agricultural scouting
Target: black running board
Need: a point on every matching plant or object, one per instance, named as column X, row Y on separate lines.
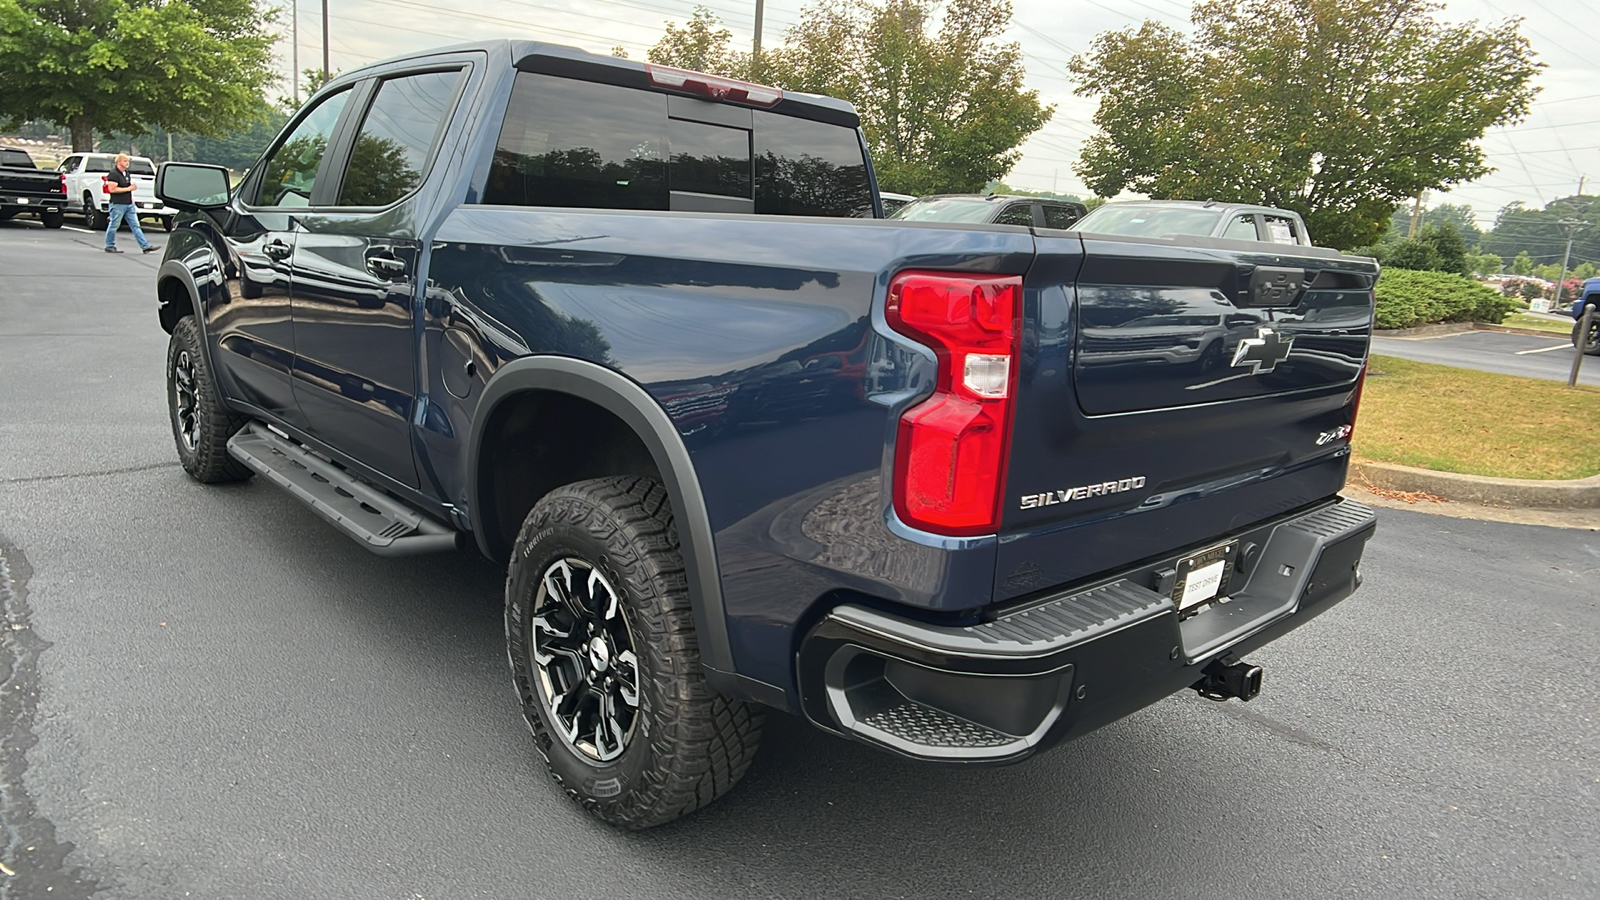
column 376, row 520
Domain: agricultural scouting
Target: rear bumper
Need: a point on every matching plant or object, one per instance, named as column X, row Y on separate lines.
column 1002, row 690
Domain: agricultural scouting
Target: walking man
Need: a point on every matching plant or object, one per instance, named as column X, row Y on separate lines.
column 122, row 207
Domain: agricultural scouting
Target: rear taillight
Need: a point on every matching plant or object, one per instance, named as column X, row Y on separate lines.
column 63, row 177
column 713, row 87
column 951, row 450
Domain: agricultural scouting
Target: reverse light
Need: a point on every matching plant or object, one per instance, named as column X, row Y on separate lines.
column 713, row 87
column 951, row 449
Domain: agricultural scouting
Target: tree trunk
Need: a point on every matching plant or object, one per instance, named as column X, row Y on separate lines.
column 82, row 133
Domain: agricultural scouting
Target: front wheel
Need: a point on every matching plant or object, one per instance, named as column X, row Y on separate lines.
column 605, row 660
column 201, row 422
column 1590, row 346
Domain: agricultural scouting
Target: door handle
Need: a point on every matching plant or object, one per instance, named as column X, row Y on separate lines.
column 276, row 249
column 385, row 264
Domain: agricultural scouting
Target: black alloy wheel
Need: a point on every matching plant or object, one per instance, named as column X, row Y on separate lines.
column 605, row 660
column 1592, row 345
column 201, row 422
column 586, row 668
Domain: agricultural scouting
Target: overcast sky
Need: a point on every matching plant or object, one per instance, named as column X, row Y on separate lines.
column 1536, row 162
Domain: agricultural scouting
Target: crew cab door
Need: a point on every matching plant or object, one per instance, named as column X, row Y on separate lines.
column 251, row 328
column 355, row 267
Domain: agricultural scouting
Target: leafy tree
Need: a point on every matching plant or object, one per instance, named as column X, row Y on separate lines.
column 941, row 97
column 1414, row 254
column 1459, row 215
column 1542, row 233
column 701, row 44
column 1522, row 264
column 129, row 65
column 1339, row 109
column 1485, row 264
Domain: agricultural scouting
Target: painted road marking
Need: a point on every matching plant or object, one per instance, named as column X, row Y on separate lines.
column 1543, row 349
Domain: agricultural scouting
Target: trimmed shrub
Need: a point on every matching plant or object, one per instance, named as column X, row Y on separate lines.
column 1408, row 298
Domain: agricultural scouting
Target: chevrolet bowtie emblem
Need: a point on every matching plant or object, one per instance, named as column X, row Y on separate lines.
column 1263, row 352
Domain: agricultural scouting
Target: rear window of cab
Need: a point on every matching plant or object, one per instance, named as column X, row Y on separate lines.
column 580, row 144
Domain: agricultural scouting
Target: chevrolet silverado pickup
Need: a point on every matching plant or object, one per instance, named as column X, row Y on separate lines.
column 26, row 190
column 619, row 327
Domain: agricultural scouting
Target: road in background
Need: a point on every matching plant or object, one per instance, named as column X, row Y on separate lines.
column 212, row 693
column 1530, row 356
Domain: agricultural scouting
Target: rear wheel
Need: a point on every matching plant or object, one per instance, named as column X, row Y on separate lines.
column 91, row 216
column 166, row 223
column 605, row 660
column 201, row 422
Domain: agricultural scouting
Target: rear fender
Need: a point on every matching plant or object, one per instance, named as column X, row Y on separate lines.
column 639, row 411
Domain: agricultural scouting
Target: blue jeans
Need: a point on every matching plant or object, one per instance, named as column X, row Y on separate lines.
column 114, row 217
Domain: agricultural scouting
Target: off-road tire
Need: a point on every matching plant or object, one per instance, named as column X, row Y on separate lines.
column 688, row 745
column 51, row 219
column 91, row 216
column 1592, row 346
column 204, row 451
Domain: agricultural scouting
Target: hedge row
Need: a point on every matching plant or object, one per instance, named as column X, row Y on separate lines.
column 1408, row 298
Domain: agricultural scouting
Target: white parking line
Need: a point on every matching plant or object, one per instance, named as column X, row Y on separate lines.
column 1543, row 349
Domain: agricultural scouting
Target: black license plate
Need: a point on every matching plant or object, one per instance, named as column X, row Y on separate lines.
column 1202, row 576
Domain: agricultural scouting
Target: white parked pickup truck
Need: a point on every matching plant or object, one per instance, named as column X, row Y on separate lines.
column 86, row 174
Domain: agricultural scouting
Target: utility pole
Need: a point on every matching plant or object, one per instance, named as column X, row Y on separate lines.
column 755, row 52
column 1416, row 216
column 294, row 35
column 1572, row 226
column 324, row 41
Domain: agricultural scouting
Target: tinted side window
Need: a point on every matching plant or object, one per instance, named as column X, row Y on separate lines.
column 98, row 164
column 141, row 167
column 806, row 168
column 1059, row 216
column 1016, row 214
column 1242, row 228
column 291, row 172
column 70, row 164
column 390, row 155
column 579, row 144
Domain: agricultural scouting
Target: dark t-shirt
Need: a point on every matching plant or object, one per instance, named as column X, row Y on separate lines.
column 120, row 179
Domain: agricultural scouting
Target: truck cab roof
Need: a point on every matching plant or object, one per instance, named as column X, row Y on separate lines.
column 559, row 59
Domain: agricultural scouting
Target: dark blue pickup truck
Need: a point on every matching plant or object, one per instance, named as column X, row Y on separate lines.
column 956, row 491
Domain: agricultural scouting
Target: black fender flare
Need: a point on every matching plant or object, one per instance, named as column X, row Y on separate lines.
column 173, row 269
column 629, row 402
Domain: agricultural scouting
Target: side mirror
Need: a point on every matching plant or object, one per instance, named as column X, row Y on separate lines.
column 192, row 186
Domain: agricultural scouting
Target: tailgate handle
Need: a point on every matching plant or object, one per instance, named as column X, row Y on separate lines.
column 1275, row 286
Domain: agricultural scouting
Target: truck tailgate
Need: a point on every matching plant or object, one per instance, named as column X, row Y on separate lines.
column 1169, row 393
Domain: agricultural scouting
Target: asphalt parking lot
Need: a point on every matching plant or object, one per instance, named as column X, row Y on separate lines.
column 208, row 692
column 1531, row 356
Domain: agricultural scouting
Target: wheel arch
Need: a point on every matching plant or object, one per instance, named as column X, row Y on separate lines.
column 178, row 294
column 649, row 424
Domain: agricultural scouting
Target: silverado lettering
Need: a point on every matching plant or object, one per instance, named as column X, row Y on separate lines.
column 1082, row 492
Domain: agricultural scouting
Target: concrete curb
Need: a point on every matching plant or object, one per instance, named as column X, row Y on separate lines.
column 1426, row 331
column 1581, row 493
